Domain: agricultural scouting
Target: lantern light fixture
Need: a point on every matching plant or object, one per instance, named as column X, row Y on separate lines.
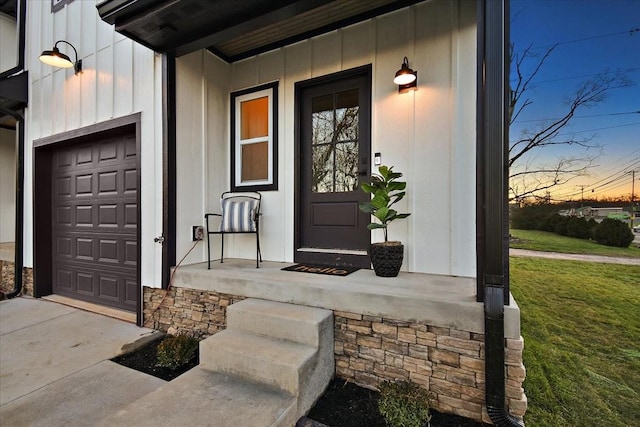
column 56, row 58
column 406, row 78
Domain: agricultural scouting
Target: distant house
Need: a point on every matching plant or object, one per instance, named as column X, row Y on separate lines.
column 605, row 212
column 116, row 163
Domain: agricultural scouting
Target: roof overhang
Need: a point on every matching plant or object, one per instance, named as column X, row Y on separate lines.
column 235, row 30
column 13, row 98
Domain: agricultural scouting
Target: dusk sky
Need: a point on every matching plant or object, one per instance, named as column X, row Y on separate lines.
column 593, row 36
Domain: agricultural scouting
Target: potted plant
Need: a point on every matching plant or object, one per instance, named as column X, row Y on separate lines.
column 386, row 190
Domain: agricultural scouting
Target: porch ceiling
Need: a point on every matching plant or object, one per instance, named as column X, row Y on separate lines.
column 232, row 29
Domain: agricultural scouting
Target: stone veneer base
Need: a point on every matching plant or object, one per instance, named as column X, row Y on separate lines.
column 369, row 350
column 7, row 278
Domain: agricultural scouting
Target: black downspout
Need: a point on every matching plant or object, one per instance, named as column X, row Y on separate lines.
column 18, row 257
column 168, row 166
column 18, row 254
column 493, row 132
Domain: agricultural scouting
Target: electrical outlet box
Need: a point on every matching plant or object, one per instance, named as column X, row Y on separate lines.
column 197, row 233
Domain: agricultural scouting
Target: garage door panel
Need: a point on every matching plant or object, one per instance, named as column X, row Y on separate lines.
column 131, row 252
column 84, row 249
column 108, row 151
column 130, row 149
column 85, row 283
column 109, row 287
column 108, row 183
column 131, row 215
column 84, row 155
column 63, row 247
column 64, row 278
column 84, row 215
column 95, row 222
column 64, row 186
column 109, row 252
column 84, row 184
column 108, row 216
column 130, row 181
column 63, row 215
column 131, row 292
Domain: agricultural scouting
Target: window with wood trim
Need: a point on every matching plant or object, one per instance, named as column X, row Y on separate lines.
column 254, row 138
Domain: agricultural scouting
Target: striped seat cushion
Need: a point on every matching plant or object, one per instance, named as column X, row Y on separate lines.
column 238, row 217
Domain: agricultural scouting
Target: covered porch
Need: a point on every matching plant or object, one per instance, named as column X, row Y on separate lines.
column 425, row 328
column 445, row 301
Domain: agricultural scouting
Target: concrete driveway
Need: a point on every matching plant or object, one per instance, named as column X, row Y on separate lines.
column 55, row 368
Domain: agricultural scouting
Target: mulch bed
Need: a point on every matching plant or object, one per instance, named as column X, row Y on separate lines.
column 144, row 360
column 343, row 404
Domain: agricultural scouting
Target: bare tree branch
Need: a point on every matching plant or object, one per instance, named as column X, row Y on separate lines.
column 533, row 178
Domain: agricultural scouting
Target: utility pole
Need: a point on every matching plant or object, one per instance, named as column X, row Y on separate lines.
column 581, row 195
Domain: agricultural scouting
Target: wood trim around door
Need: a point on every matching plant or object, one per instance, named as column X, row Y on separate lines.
column 360, row 260
column 42, row 168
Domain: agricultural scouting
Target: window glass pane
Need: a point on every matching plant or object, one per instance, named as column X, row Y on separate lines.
column 346, row 156
column 322, row 119
column 347, row 113
column 335, row 123
column 322, row 172
column 254, row 118
column 255, row 162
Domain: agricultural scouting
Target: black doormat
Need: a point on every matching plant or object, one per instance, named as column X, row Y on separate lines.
column 321, row 269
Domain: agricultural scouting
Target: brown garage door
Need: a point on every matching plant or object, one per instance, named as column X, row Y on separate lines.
column 94, row 221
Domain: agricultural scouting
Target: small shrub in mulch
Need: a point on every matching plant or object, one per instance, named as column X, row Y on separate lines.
column 176, row 350
column 345, row 404
column 145, row 359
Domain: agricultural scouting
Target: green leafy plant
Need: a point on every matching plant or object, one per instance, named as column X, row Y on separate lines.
column 386, row 191
column 404, row 404
column 176, row 350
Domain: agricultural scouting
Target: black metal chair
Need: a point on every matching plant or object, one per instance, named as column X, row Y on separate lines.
column 240, row 215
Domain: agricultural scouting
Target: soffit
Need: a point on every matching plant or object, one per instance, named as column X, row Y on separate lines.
column 234, row 30
column 9, row 7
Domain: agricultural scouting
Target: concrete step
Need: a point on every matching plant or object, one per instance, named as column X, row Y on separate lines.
column 283, row 346
column 273, row 362
column 204, row 398
column 296, row 323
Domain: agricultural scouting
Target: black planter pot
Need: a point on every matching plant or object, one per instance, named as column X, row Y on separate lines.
column 386, row 258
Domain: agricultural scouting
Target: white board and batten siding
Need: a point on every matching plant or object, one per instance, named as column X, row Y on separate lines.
column 429, row 134
column 119, row 77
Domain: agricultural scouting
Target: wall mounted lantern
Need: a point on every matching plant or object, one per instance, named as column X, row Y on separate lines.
column 406, row 78
column 57, row 59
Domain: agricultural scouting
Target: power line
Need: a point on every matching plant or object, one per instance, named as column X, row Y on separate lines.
column 600, row 186
column 629, row 32
column 533, row 83
column 578, row 117
column 607, row 186
column 592, row 130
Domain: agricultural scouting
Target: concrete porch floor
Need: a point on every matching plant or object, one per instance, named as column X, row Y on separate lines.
column 445, row 301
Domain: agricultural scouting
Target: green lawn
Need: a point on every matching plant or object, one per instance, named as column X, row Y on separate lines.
column 551, row 242
column 581, row 326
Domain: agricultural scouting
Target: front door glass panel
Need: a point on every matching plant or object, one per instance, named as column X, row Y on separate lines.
column 335, row 123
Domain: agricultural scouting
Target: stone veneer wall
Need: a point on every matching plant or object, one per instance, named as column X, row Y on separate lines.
column 7, row 278
column 201, row 313
column 369, row 350
column 447, row 362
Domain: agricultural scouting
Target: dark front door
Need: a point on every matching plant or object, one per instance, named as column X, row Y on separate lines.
column 94, row 221
column 334, row 146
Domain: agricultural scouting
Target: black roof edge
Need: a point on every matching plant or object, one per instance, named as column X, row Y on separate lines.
column 110, row 10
